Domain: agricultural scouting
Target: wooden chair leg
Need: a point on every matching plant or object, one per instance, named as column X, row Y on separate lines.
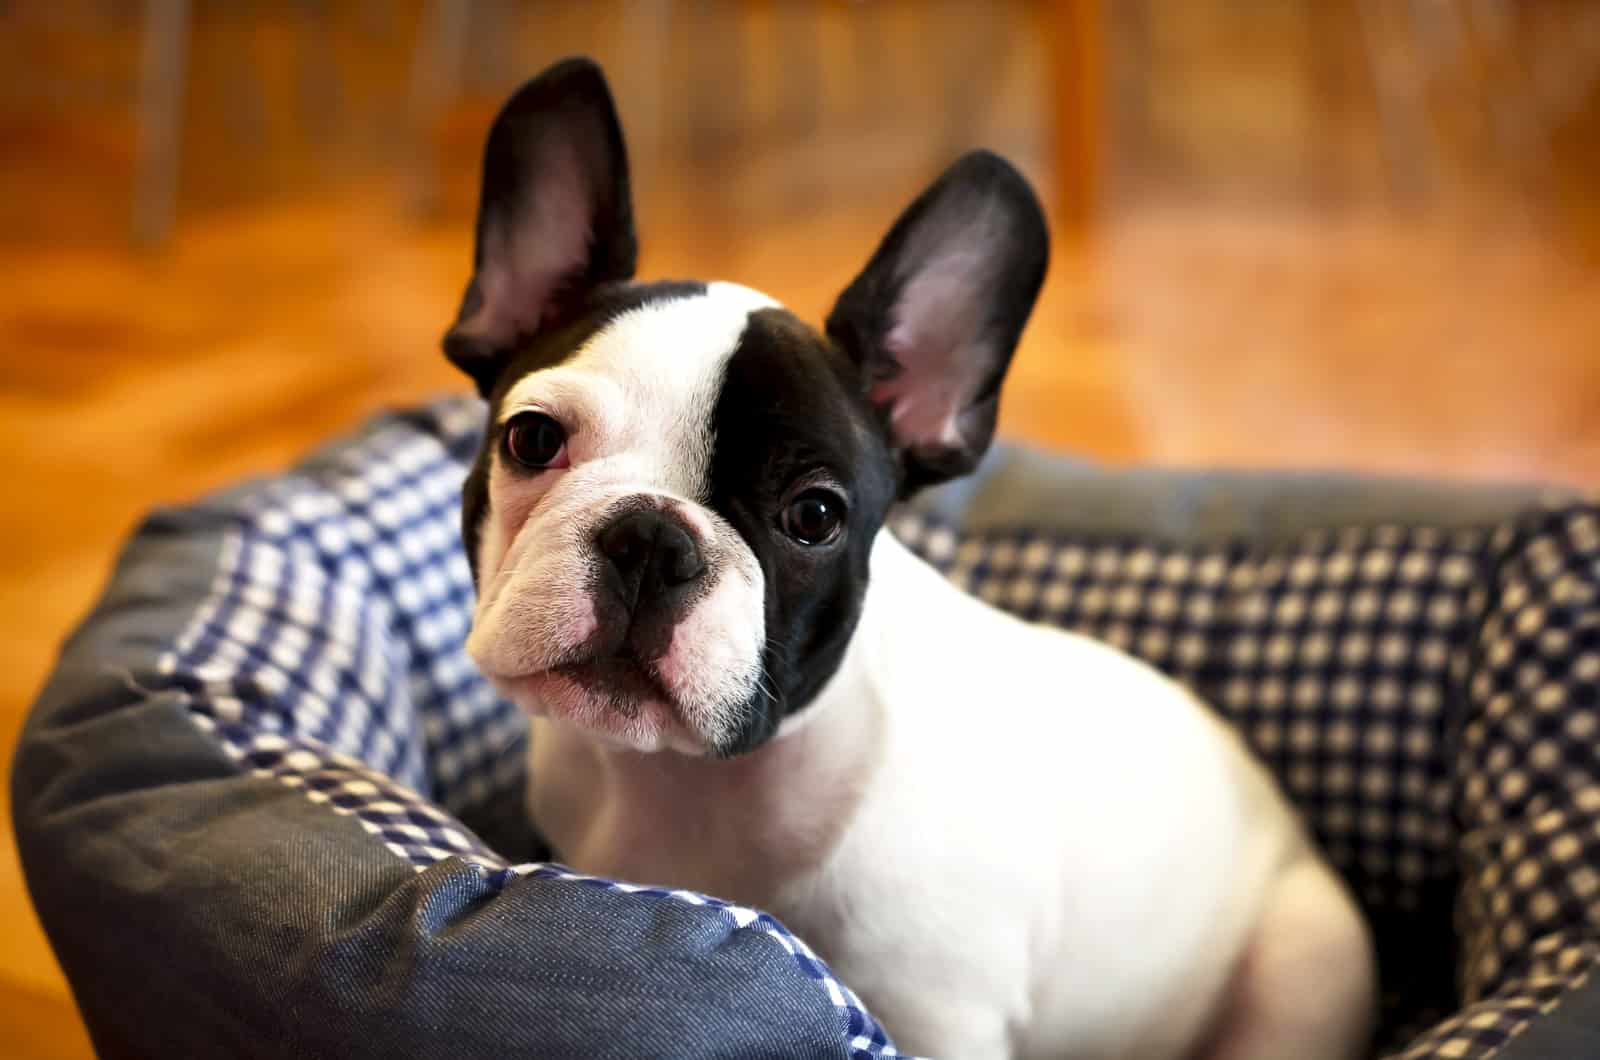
column 437, row 65
column 163, row 73
column 1077, row 39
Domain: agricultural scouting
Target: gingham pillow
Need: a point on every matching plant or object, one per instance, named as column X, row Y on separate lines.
column 1426, row 696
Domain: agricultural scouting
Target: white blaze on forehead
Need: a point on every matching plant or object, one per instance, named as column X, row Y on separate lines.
column 646, row 384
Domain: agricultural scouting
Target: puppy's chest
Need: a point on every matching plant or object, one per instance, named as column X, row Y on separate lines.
column 722, row 827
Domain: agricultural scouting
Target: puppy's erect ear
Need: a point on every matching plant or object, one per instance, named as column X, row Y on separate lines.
column 555, row 218
column 934, row 318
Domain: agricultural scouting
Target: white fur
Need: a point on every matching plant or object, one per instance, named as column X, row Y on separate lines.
column 636, row 401
column 714, row 640
column 1011, row 841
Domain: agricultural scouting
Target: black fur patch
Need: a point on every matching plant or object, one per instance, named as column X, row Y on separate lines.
column 791, row 410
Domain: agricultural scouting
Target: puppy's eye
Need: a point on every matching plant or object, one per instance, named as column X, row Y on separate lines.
column 814, row 517
column 535, row 440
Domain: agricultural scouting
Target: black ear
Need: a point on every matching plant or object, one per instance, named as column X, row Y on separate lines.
column 933, row 319
column 555, row 218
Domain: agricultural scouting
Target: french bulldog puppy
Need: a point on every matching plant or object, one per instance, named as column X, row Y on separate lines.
column 1010, row 841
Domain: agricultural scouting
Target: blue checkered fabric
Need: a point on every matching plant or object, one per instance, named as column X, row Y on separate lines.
column 1426, row 696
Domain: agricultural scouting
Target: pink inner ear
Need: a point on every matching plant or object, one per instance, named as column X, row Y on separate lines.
column 936, row 335
column 526, row 260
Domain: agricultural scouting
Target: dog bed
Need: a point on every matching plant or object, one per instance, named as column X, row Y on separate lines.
column 267, row 807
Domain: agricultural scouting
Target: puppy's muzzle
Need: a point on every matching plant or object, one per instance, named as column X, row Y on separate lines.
column 652, row 571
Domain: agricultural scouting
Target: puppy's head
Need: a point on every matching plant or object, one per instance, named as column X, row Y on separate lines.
column 670, row 519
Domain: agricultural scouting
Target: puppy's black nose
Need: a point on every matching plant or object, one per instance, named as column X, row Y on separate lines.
column 651, row 553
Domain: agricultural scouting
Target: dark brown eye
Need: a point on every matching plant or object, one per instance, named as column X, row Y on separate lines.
column 814, row 517
column 535, row 440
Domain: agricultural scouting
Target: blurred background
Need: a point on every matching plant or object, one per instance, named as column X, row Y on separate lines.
column 1351, row 233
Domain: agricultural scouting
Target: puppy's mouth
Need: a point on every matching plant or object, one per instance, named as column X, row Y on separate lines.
column 622, row 682
column 617, row 698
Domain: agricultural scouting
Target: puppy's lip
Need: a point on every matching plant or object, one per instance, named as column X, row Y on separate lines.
column 620, row 679
column 622, row 675
column 574, row 693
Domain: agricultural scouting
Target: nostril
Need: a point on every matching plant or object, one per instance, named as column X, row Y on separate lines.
column 627, row 541
column 648, row 546
column 679, row 559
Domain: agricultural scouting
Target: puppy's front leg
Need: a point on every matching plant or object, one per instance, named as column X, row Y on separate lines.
column 1306, row 985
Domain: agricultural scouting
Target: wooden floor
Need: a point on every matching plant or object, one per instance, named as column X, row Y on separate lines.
column 1189, row 330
